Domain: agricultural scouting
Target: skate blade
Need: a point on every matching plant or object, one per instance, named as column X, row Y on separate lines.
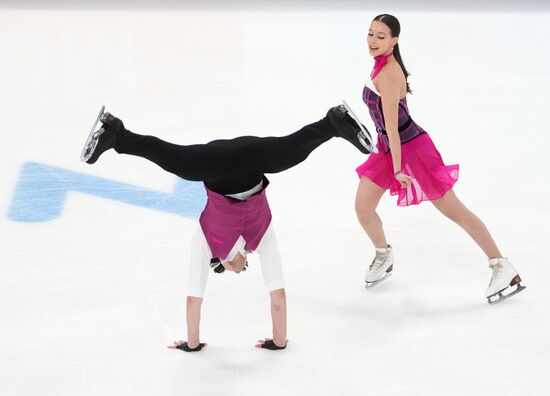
column 91, row 141
column 501, row 297
column 369, row 285
column 364, row 137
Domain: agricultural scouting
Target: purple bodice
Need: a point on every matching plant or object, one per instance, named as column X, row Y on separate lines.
column 408, row 129
column 224, row 219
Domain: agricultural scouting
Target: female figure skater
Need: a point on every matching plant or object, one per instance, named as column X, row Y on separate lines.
column 409, row 165
column 237, row 218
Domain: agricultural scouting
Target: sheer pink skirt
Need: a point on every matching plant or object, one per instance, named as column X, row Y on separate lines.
column 420, row 160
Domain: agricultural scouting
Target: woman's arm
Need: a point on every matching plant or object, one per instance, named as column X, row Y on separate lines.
column 390, row 91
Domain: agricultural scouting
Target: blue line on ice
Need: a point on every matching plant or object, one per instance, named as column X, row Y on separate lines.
column 42, row 189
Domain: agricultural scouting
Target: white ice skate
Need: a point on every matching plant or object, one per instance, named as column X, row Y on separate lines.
column 504, row 277
column 103, row 139
column 93, row 137
column 364, row 136
column 380, row 268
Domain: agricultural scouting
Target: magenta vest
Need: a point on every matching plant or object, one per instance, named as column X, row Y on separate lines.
column 224, row 219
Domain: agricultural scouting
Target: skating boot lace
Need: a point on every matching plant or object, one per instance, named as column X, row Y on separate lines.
column 378, row 261
column 497, row 273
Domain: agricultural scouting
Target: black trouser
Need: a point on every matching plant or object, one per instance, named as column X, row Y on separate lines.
column 233, row 165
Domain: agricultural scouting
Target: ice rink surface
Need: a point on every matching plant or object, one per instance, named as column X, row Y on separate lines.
column 94, row 259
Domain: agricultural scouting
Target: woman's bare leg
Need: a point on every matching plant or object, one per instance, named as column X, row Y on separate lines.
column 367, row 199
column 455, row 210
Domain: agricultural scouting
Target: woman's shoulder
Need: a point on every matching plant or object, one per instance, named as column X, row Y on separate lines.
column 390, row 78
column 392, row 72
column 387, row 80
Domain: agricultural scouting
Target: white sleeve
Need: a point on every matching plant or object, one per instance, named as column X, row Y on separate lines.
column 199, row 264
column 270, row 260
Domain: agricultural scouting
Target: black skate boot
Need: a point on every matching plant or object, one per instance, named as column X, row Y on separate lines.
column 349, row 128
column 103, row 139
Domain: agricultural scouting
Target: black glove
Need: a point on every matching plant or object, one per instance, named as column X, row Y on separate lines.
column 216, row 265
column 184, row 346
column 269, row 344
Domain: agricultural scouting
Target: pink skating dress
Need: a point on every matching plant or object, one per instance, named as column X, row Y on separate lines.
column 419, row 158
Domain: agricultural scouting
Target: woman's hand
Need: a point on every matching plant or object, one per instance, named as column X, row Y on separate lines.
column 228, row 265
column 237, row 265
column 403, row 179
column 241, row 265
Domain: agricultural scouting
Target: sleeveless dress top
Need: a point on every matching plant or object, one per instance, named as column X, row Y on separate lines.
column 408, row 129
column 420, row 159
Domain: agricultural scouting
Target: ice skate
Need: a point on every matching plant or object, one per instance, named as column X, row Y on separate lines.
column 350, row 128
column 505, row 276
column 101, row 140
column 380, row 268
column 363, row 135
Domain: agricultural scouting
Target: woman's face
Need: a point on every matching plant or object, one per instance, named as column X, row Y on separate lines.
column 379, row 39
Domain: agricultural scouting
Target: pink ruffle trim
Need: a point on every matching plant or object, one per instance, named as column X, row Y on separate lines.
column 420, row 160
